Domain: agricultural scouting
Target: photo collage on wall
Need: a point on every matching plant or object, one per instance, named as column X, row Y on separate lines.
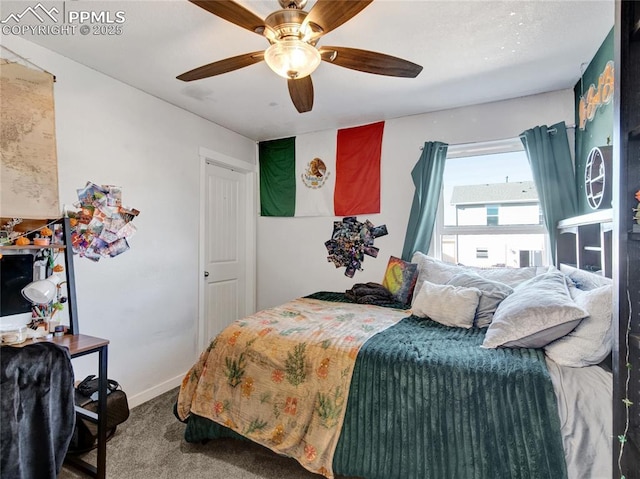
column 101, row 224
column 351, row 241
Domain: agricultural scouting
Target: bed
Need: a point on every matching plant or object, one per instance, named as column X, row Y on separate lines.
column 473, row 379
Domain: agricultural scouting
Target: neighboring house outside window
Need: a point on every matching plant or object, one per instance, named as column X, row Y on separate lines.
column 489, row 212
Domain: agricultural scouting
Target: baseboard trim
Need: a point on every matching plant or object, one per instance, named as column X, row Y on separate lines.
column 155, row 391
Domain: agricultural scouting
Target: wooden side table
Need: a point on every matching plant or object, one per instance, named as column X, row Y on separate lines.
column 81, row 345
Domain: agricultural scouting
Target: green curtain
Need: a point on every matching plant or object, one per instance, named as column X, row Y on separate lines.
column 427, row 177
column 550, row 159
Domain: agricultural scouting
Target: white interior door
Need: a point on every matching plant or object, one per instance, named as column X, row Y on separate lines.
column 225, row 250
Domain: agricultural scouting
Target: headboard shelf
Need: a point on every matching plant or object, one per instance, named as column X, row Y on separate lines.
column 585, row 241
column 600, row 216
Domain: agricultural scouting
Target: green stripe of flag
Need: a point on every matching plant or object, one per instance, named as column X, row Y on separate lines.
column 277, row 177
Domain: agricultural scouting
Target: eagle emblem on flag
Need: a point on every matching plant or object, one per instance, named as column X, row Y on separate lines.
column 316, row 174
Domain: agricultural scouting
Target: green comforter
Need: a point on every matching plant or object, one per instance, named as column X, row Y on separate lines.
column 427, row 402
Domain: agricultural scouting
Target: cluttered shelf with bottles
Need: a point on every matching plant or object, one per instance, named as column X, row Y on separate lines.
column 38, row 279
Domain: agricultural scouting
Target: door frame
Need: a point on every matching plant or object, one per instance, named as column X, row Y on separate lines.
column 208, row 156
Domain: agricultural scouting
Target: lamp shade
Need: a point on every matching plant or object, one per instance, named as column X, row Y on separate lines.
column 42, row 291
column 292, row 58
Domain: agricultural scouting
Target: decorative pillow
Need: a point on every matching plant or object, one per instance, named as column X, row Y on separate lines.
column 590, row 342
column 493, row 293
column 538, row 312
column 400, row 279
column 447, row 304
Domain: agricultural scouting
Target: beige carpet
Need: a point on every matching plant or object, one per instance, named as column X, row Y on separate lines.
column 151, row 445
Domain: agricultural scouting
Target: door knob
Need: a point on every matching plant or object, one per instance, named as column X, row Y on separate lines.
column 206, row 274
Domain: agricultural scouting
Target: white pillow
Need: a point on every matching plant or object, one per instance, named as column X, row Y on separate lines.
column 538, row 312
column 591, row 341
column 447, row 304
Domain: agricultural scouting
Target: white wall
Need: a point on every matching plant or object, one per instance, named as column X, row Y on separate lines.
column 144, row 301
column 291, row 252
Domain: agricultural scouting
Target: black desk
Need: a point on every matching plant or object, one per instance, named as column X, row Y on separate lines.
column 81, row 345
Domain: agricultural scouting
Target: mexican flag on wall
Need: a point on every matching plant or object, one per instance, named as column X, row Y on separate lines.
column 328, row 173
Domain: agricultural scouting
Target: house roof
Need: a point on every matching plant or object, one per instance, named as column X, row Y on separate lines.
column 494, row 193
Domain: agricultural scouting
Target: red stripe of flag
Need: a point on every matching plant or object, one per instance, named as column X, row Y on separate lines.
column 357, row 189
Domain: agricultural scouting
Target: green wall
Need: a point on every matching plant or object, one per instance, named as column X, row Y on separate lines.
column 599, row 131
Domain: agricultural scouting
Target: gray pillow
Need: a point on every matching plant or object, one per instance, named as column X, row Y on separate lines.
column 439, row 272
column 539, row 311
column 493, row 293
column 509, row 276
column 590, row 342
column 584, row 280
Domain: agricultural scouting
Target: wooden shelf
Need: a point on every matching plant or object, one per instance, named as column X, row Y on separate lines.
column 27, row 224
column 634, row 134
column 72, row 304
column 32, row 247
column 634, row 236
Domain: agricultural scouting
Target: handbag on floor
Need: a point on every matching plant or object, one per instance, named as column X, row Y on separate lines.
column 85, row 436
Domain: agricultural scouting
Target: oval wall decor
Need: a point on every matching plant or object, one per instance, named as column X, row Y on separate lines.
column 597, row 177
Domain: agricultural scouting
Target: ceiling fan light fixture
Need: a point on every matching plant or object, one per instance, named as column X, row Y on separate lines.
column 292, row 58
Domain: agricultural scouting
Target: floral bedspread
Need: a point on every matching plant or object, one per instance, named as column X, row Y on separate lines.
column 281, row 376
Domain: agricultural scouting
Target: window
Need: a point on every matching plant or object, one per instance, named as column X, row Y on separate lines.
column 530, row 258
column 492, row 216
column 489, row 212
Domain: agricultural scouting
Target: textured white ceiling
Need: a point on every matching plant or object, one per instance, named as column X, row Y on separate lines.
column 472, row 52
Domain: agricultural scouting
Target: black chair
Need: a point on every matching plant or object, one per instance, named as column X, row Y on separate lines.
column 37, row 415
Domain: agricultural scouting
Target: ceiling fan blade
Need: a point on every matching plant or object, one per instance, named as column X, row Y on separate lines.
column 301, row 92
column 370, row 62
column 222, row 66
column 234, row 13
column 330, row 14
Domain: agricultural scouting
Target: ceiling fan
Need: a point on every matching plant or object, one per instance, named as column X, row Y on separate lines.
column 293, row 35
